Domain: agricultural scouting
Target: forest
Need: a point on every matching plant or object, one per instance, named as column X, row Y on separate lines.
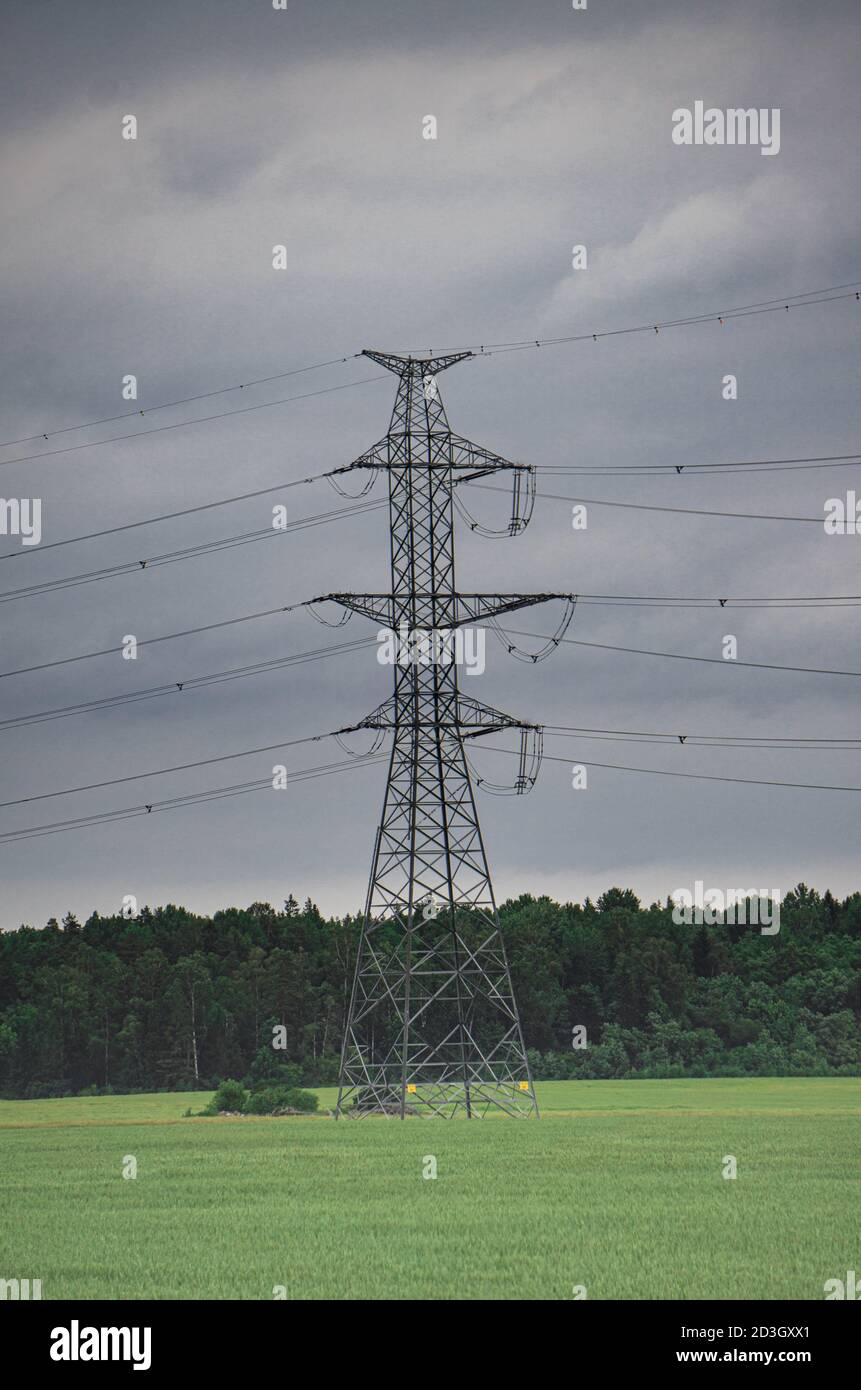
column 168, row 1000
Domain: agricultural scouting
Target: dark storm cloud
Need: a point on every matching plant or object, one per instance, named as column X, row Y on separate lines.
column 303, row 128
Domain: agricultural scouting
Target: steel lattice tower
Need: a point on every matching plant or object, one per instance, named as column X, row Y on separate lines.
column 432, row 1025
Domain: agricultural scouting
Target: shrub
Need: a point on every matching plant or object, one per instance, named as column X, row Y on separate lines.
column 230, row 1096
column 273, row 1100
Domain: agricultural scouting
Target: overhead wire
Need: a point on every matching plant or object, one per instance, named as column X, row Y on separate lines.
column 152, row 641
column 172, row 803
column 184, row 424
column 179, row 687
column 811, row 297
column 710, row 740
column 765, row 306
column 691, row 776
column 601, row 600
column 684, row 656
column 650, row 507
column 185, row 400
column 786, row 302
column 171, row 557
column 163, row 771
column 655, row 470
column 164, row 516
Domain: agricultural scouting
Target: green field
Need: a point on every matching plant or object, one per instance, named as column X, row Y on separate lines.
column 618, row 1188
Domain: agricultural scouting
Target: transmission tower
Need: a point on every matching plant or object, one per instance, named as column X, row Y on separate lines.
column 432, row 1025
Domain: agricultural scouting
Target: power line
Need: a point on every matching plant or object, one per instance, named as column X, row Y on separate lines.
column 766, row 605
column 655, row 470
column 220, row 793
column 188, row 683
column 815, row 745
column 765, row 306
column 165, row 516
column 182, row 424
column 151, row 641
column 692, row 776
column 600, row 600
column 556, row 730
column 643, row 507
column 758, row 740
column 653, row 601
column 798, row 301
column 172, row 803
column 162, row 771
column 560, row 731
column 645, row 470
column 682, row 656
column 186, row 400
column 172, row 557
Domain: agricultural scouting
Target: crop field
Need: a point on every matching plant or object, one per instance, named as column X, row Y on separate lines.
column 618, row 1190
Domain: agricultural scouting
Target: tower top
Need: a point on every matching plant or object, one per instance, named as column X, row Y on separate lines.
column 405, row 366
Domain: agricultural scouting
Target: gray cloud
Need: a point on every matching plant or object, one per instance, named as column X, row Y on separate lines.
column 154, row 257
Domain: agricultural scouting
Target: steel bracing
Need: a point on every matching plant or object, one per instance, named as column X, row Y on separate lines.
column 432, row 1025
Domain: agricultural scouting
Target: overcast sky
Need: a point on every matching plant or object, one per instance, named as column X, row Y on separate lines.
column 153, row 256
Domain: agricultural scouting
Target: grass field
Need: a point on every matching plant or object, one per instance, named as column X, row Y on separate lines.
column 618, row 1188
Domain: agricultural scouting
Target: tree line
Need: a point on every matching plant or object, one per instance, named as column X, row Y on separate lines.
column 169, row 1000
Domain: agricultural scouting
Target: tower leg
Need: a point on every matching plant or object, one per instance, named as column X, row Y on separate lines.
column 433, row 1026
